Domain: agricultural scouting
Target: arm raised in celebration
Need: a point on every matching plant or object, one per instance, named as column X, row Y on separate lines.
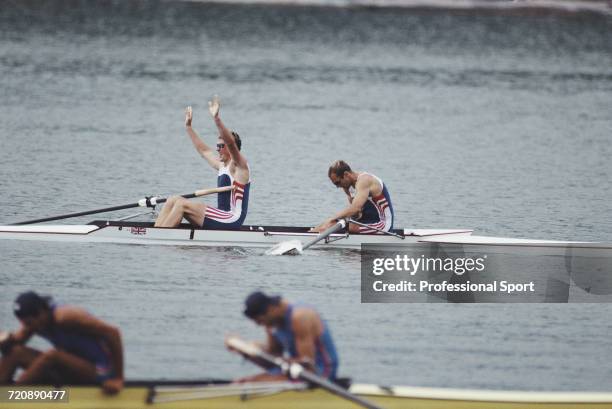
column 226, row 134
column 203, row 149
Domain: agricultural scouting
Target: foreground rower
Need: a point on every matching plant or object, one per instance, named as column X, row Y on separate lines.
column 85, row 349
column 294, row 330
column 233, row 170
column 367, row 195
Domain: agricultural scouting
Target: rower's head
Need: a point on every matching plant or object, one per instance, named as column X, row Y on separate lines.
column 222, row 148
column 340, row 174
column 33, row 310
column 264, row 309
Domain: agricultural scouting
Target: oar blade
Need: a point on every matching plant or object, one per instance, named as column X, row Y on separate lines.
column 290, row 247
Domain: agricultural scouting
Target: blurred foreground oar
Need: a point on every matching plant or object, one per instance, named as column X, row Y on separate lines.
column 294, row 370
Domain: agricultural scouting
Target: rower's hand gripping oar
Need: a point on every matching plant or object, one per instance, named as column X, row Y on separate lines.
column 294, row 370
column 146, row 202
column 296, row 246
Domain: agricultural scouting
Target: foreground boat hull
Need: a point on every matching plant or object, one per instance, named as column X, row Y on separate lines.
column 290, row 395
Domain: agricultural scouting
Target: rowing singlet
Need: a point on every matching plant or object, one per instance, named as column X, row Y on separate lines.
column 233, row 205
column 82, row 345
column 326, row 358
column 378, row 210
column 224, row 178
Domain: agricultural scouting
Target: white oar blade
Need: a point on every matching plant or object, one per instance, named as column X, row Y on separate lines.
column 285, row 247
column 241, row 346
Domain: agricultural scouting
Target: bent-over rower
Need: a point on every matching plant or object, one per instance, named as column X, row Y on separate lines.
column 368, row 197
column 85, row 349
column 295, row 331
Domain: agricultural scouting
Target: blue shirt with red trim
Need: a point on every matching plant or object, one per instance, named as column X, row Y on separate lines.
column 326, row 357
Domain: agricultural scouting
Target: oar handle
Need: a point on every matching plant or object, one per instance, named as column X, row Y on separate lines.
column 152, row 201
column 204, row 192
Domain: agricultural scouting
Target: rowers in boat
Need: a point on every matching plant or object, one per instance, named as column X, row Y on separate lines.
column 86, row 350
column 233, row 170
column 294, row 331
column 368, row 197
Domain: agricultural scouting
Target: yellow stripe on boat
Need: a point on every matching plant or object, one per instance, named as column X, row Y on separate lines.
column 286, row 395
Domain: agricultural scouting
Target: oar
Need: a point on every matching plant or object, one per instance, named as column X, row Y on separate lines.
column 296, row 246
column 294, row 370
column 146, row 202
column 377, row 229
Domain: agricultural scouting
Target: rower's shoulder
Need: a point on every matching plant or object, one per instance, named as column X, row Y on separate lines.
column 303, row 314
column 242, row 164
column 69, row 313
column 370, row 181
column 365, row 179
column 362, row 175
column 242, row 173
column 306, row 320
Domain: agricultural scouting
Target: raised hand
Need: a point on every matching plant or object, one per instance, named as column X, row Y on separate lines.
column 188, row 116
column 213, row 106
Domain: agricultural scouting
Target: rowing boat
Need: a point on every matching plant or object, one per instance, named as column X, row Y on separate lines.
column 132, row 232
column 288, row 395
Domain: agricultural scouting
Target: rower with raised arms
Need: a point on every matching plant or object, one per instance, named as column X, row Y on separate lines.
column 86, row 350
column 368, row 199
column 295, row 331
column 233, row 170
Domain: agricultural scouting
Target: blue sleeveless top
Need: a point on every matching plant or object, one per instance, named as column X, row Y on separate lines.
column 81, row 345
column 326, row 357
column 241, row 192
column 224, row 199
column 377, row 205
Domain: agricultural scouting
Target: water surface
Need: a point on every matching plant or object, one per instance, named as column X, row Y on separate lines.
column 499, row 123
